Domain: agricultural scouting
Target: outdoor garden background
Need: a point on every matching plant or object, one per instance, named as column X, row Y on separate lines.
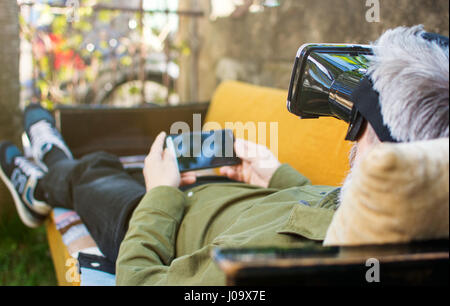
column 112, row 53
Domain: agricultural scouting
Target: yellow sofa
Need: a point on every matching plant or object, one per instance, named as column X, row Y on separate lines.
column 316, row 148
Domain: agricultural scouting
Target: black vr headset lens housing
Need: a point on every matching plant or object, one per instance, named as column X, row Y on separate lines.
column 324, row 79
column 330, row 80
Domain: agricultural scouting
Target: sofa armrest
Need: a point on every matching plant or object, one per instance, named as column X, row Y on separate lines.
column 64, row 264
column 423, row 263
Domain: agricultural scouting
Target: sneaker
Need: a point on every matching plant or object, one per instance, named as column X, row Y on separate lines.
column 21, row 177
column 42, row 134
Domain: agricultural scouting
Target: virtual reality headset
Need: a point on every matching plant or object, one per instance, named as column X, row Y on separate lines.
column 331, row 80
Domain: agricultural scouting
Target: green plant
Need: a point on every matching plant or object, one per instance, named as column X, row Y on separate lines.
column 24, row 255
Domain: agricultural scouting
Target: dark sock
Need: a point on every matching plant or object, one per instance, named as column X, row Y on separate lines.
column 53, row 156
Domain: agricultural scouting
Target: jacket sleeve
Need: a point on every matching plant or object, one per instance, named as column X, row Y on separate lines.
column 146, row 255
column 286, row 177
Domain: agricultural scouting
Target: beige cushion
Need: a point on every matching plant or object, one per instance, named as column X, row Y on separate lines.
column 399, row 193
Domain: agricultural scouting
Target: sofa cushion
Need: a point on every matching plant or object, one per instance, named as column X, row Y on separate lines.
column 316, row 147
column 399, row 193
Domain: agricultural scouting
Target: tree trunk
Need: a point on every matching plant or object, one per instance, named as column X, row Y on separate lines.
column 10, row 115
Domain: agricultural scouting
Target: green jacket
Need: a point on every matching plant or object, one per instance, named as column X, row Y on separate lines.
column 171, row 233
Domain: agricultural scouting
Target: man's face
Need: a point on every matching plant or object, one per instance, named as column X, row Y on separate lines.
column 367, row 141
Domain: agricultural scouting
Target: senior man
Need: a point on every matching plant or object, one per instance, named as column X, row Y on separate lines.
column 162, row 234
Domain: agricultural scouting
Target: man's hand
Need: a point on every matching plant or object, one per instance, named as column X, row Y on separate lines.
column 161, row 168
column 258, row 166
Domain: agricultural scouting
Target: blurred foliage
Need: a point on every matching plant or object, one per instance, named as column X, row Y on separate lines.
column 24, row 255
column 68, row 57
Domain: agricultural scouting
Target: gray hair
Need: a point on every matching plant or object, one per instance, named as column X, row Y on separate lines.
column 412, row 76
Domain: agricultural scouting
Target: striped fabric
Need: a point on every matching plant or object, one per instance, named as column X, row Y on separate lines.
column 94, row 267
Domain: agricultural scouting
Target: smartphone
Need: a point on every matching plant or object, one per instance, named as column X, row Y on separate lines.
column 203, row 150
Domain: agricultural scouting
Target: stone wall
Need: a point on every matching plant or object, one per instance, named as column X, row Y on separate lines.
column 260, row 48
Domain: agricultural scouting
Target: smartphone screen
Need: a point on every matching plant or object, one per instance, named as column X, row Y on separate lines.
column 203, row 150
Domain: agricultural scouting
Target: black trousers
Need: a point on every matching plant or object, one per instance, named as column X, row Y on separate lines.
column 103, row 194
